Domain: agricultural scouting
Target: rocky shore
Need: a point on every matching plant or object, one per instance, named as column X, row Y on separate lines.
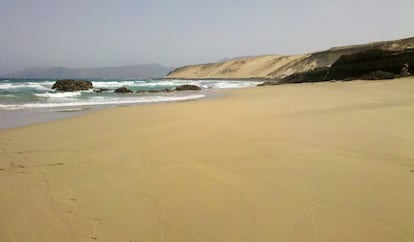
column 82, row 85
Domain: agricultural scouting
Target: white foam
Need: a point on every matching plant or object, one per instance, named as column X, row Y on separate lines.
column 112, row 84
column 101, row 101
column 41, row 86
column 175, row 82
column 235, row 84
column 6, row 86
column 57, row 95
column 216, row 84
column 155, row 84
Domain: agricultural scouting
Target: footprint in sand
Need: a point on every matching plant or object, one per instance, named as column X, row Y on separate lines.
column 16, row 166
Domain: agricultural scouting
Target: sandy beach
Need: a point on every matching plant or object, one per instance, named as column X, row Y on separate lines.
column 329, row 161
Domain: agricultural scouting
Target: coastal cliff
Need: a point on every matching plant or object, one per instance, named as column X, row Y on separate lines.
column 280, row 66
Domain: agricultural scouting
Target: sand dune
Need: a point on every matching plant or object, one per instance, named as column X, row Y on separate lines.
column 305, row 162
column 248, row 67
column 278, row 66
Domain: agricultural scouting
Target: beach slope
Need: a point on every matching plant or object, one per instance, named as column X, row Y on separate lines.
column 304, row 162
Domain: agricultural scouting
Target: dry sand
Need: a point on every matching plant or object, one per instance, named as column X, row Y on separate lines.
column 304, row 162
column 266, row 66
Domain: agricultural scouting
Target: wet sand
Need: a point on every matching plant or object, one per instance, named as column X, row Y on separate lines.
column 303, row 162
column 18, row 118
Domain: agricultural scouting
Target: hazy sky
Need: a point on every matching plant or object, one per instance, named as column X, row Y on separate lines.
column 90, row 33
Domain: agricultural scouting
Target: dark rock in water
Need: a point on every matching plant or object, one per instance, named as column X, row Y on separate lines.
column 101, row 90
column 72, row 85
column 122, row 90
column 163, row 90
column 154, row 91
column 188, row 88
column 378, row 75
column 268, row 83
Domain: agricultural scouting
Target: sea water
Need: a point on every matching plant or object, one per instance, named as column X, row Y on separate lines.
column 24, row 101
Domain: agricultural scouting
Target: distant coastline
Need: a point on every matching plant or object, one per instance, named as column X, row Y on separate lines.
column 144, row 71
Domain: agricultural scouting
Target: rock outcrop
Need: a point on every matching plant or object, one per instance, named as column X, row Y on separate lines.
column 378, row 75
column 405, row 71
column 372, row 64
column 280, row 66
column 101, row 90
column 122, row 90
column 188, row 88
column 72, row 85
column 357, row 65
column 155, row 90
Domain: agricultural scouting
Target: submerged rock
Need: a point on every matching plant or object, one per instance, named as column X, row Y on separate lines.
column 72, row 85
column 154, row 91
column 101, row 90
column 122, row 90
column 188, row 88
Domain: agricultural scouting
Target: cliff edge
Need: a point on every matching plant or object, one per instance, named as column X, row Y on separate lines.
column 281, row 66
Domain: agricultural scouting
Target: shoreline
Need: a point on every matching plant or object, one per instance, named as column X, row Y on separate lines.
column 12, row 119
column 221, row 79
column 328, row 161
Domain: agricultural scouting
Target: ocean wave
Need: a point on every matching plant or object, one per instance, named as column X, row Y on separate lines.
column 216, row 84
column 115, row 84
column 234, row 84
column 206, row 84
column 156, row 83
column 58, row 95
column 39, row 86
column 101, row 101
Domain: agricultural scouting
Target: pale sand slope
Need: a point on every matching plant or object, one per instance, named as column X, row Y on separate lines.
column 267, row 66
column 305, row 162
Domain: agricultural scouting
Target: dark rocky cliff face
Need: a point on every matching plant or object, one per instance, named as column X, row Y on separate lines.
column 369, row 64
column 362, row 63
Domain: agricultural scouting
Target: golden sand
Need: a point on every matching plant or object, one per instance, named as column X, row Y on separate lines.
column 303, row 162
column 266, row 66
